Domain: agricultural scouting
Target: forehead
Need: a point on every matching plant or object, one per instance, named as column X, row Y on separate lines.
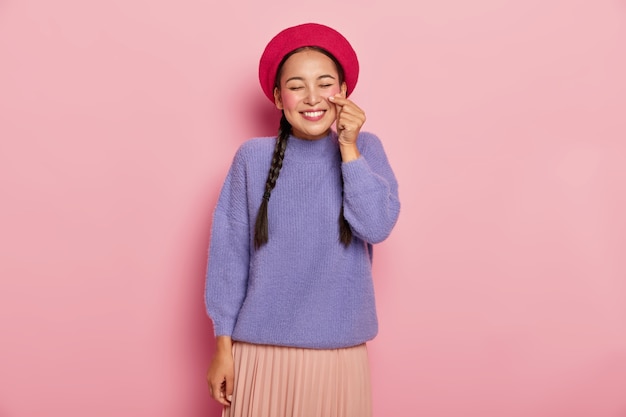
column 308, row 63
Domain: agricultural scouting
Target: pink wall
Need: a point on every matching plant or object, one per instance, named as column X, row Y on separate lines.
column 501, row 291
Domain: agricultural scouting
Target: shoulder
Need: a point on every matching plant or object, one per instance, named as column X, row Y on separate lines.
column 368, row 137
column 254, row 149
column 368, row 141
column 257, row 145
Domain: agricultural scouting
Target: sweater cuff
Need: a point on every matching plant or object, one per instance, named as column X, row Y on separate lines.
column 356, row 173
column 223, row 329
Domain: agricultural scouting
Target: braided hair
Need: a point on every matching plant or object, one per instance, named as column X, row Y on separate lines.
column 261, row 235
column 260, row 228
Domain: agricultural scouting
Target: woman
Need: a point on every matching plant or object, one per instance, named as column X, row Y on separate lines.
column 289, row 284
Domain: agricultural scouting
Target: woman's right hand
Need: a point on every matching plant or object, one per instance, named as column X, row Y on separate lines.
column 221, row 373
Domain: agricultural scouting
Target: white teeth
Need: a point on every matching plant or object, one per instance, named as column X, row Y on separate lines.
column 313, row 113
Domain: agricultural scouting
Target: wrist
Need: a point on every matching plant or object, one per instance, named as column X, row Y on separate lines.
column 223, row 344
column 349, row 151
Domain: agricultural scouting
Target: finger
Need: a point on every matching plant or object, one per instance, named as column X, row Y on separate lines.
column 347, row 118
column 350, row 116
column 218, row 394
column 340, row 120
column 353, row 109
column 344, row 102
column 349, row 122
column 214, row 389
column 338, row 100
column 229, row 386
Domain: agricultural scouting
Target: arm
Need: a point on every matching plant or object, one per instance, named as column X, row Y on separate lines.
column 227, row 276
column 371, row 203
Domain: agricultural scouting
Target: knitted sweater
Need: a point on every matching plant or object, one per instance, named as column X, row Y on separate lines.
column 303, row 288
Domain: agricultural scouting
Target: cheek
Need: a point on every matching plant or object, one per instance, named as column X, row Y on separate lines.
column 332, row 92
column 289, row 100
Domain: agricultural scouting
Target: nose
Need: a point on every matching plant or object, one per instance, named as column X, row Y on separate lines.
column 313, row 97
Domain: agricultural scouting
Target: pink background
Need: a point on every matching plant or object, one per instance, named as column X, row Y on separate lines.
column 501, row 292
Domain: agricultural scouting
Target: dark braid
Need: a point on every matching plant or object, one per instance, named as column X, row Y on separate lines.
column 345, row 231
column 260, row 228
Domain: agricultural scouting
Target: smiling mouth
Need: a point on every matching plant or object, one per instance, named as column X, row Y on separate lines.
column 313, row 114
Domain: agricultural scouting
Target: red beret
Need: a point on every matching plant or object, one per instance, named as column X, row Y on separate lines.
column 308, row 34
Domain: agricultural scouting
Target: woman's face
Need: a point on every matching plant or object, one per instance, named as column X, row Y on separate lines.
column 308, row 78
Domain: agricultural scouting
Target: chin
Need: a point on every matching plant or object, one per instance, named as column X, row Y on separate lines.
column 317, row 135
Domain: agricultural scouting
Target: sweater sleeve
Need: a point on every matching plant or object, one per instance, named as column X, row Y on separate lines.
column 371, row 203
column 229, row 251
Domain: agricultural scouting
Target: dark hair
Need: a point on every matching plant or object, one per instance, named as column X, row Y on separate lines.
column 261, row 235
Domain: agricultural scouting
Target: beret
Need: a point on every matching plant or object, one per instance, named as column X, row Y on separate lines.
column 307, row 34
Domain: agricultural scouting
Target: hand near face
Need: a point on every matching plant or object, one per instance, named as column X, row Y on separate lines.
column 350, row 119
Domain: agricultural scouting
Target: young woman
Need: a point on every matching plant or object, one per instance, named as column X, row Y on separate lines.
column 289, row 284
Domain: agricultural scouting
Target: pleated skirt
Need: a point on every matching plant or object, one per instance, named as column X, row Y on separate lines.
column 277, row 381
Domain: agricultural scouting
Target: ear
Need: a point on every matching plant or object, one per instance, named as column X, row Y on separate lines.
column 278, row 101
column 344, row 89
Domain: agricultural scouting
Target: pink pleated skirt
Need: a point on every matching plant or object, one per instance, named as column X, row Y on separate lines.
column 277, row 381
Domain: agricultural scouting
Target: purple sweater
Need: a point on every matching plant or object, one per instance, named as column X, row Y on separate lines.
column 303, row 288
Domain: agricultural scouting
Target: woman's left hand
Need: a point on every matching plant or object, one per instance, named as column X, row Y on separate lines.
column 350, row 118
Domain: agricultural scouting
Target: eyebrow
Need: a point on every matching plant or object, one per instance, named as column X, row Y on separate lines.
column 302, row 79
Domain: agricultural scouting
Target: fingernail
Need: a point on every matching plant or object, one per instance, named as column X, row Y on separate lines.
column 331, row 98
column 230, row 398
